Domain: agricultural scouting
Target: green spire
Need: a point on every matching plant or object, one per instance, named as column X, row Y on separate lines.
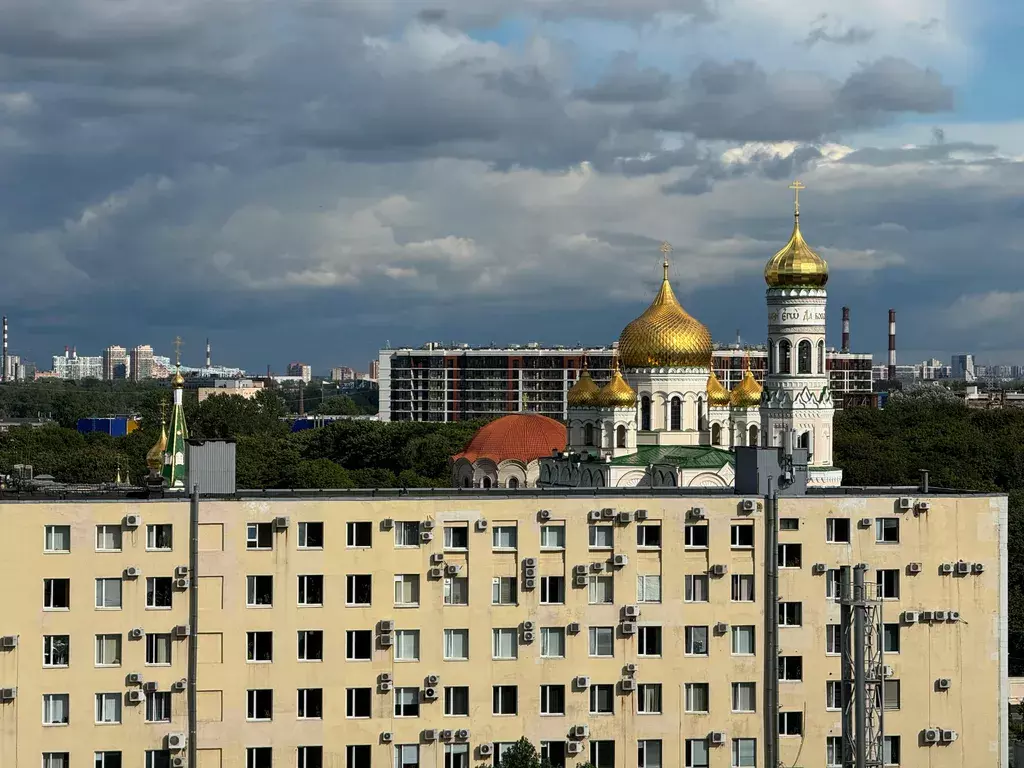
column 175, row 470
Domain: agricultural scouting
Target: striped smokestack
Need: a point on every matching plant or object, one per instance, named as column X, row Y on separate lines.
column 846, row 330
column 892, row 345
column 207, row 352
column 3, row 374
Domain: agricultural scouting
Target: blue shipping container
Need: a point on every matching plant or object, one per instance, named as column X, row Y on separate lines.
column 115, row 427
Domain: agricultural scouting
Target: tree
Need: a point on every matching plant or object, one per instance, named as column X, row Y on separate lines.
column 339, row 405
column 522, row 754
column 321, row 473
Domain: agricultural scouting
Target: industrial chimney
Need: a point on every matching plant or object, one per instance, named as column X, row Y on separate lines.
column 892, row 345
column 3, row 374
column 846, row 330
column 207, row 351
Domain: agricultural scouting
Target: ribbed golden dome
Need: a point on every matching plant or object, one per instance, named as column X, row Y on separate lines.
column 616, row 393
column 155, row 456
column 746, row 394
column 718, row 395
column 178, row 380
column 796, row 265
column 582, row 393
column 665, row 336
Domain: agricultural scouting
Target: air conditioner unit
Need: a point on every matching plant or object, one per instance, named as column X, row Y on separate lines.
column 597, row 567
column 631, row 669
column 9, row 641
column 430, row 693
column 963, row 568
column 432, row 680
column 132, row 521
column 528, row 626
column 453, row 570
column 280, row 523
column 136, row 697
column 8, row 694
column 640, row 515
column 426, row 536
column 906, row 503
column 581, row 581
column 819, row 568
column 436, row 558
column 930, row 735
column 485, row 750
column 939, row 615
column 627, row 684
column 435, row 573
column 698, row 513
column 386, row 737
column 925, row 615
column 716, row 738
column 530, row 573
column 179, row 685
column 748, row 505
column 481, row 525
column 943, row 683
column 387, row 524
column 910, row 617
column 913, row 568
column 181, row 583
column 427, row 525
column 953, row 616
column 386, row 625
column 608, row 513
column 385, row 687
column 528, row 637
column 594, row 515
column 132, row 572
column 430, row 734
column 544, row 515
column 384, row 677
column 136, row 634
column 386, row 641
column 719, row 569
column 134, row 678
column 721, row 628
column 977, row 567
column 179, row 761
column 462, row 734
column 573, row 628
column 579, row 570
column 181, row 571
column 579, row 732
column 581, row 681
column 447, row 735
column 149, row 686
column 946, row 568
column 620, row 560
column 629, row 628
column 631, row 611
column 948, row 736
column 529, row 583
column 887, row 671
column 176, row 741
column 864, row 522
column 573, row 748
column 624, row 518
column 922, row 506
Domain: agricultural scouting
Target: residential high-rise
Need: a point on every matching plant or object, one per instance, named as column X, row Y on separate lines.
column 963, row 367
column 142, row 362
column 374, row 370
column 342, row 373
column 302, row 370
column 115, row 363
column 72, row 366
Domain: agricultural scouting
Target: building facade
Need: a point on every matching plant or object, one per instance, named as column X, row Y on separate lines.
column 142, row 363
column 115, row 363
column 358, row 631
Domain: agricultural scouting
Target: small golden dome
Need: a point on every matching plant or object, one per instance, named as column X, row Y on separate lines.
column 796, row 265
column 665, row 335
column 582, row 393
column 718, row 395
column 747, row 394
column 178, row 381
column 155, row 456
column 616, row 393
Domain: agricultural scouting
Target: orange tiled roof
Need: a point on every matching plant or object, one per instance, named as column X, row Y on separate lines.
column 520, row 436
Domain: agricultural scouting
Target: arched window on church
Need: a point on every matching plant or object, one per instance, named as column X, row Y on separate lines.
column 753, row 435
column 467, row 482
column 771, row 356
column 804, row 441
column 784, row 354
column 487, row 482
column 716, row 434
column 700, row 413
column 588, row 434
column 821, row 357
column 676, row 414
column 513, row 482
column 620, row 436
column 645, row 413
column 804, row 357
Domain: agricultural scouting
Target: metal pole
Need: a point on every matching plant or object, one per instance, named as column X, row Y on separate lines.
column 859, row 681
column 846, row 636
column 771, row 629
column 193, row 621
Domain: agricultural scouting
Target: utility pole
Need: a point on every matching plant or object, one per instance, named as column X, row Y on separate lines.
column 193, row 621
column 863, row 684
column 771, row 628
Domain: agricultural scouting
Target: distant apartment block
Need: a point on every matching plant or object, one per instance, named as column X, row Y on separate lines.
column 343, row 373
column 142, row 362
column 115, row 363
column 76, row 367
column 301, row 370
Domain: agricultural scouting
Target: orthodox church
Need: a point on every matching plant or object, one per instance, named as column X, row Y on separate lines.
column 665, row 420
column 166, row 459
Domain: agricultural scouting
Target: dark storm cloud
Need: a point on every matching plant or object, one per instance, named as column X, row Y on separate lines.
column 626, row 83
column 851, row 36
column 764, row 163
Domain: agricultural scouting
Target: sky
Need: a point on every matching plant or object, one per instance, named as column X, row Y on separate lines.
column 313, row 180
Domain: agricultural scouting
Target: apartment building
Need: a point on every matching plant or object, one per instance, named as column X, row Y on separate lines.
column 434, row 629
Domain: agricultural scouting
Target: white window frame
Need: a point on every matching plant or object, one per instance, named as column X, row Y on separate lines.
column 547, row 632
column 734, row 531
column 689, row 590
column 689, row 531
column 304, row 535
column 350, row 589
column 596, row 637
column 691, row 692
column 498, row 590
column 792, row 719
column 406, row 526
column 119, row 537
column 830, row 530
column 546, row 583
column 557, row 530
column 744, row 686
column 641, row 534
column 100, row 644
column 649, row 630
column 49, row 532
column 303, row 638
column 151, row 537
column 49, row 641
column 597, row 583
column 303, row 585
column 648, row 588
column 411, row 693
column 49, row 592
column 154, row 580
column 500, row 634
column 452, row 585
column 402, row 636
column 303, row 704
column 412, row 581
column 734, row 633
column 252, row 536
column 546, row 691
column 880, row 578
column 735, row 587
column 736, row 756
column 49, row 702
column 449, row 534
column 690, row 640
column 251, row 592
column 453, row 692
column 448, row 642
column 833, row 695
column 833, row 640
column 495, row 536
column 784, row 546
column 352, row 529
column 641, row 698
column 498, row 700
column 883, row 525
column 102, row 700
column 102, row 586
column 592, row 537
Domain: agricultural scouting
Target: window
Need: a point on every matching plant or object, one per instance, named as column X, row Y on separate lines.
column 456, row 590
column 648, row 588
column 311, row 535
column 552, row 536
column 696, row 753
column 108, row 539
column 804, row 356
column 675, row 414
column 602, row 754
column 888, row 583
column 833, row 584
column 57, row 538
column 696, row 697
column 602, row 699
column 407, row 589
column 696, row 536
column 259, row 590
column 311, row 645
column 503, row 537
column 891, row 750
column 833, row 752
column 791, row 723
column 311, row 590
column 649, row 641
column 456, row 701
column 744, row 697
column 311, row 703
column 742, row 536
column 602, row 590
column 833, row 639
column 310, row 757
column 407, row 702
column 743, row 587
column 259, row 536
column 358, row 702
column 791, row 614
column 696, row 641
column 56, row 650
column 887, row 530
column 602, row 641
column 504, row 700
column 359, row 534
column 833, row 695
column 505, row 643
column 552, row 699
column 108, row 593
column 588, row 434
column 821, row 357
column 158, row 648
column 837, row 530
column 108, row 650
column 407, row 645
column 649, row 535
column 648, row 700
column 744, row 751
column 56, row 594
column 258, row 757
column 407, row 533
column 158, row 536
column 552, row 642
column 455, row 756
column 891, row 638
column 649, row 753
column 456, row 537
column 503, row 590
column 785, row 353
column 552, row 590
column 890, row 694
column 645, row 413
column 743, row 640
column 358, row 589
column 55, row 709
column 791, row 668
column 105, row 760
column 789, row 524
column 716, row 434
column 57, row 759
column 158, row 707
column 602, row 537
column 358, row 644
column 790, row 555
column 259, row 704
column 620, row 436
column 259, row 646
column 696, row 588
column 158, row 591
column 456, row 644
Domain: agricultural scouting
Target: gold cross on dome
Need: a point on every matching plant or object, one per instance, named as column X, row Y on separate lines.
column 665, row 249
column 796, row 186
column 177, row 350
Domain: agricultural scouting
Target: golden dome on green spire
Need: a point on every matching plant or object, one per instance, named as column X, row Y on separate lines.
column 155, row 456
column 746, row 394
column 616, row 393
column 582, row 393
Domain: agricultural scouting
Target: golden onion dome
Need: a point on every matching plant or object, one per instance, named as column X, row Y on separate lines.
column 796, row 265
column 718, row 395
column 155, row 456
column 582, row 393
column 746, row 394
column 616, row 393
column 665, row 336
column 178, row 381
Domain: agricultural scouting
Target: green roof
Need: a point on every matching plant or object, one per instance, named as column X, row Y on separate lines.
column 682, row 456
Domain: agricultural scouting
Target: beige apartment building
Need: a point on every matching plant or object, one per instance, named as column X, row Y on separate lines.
column 432, row 630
